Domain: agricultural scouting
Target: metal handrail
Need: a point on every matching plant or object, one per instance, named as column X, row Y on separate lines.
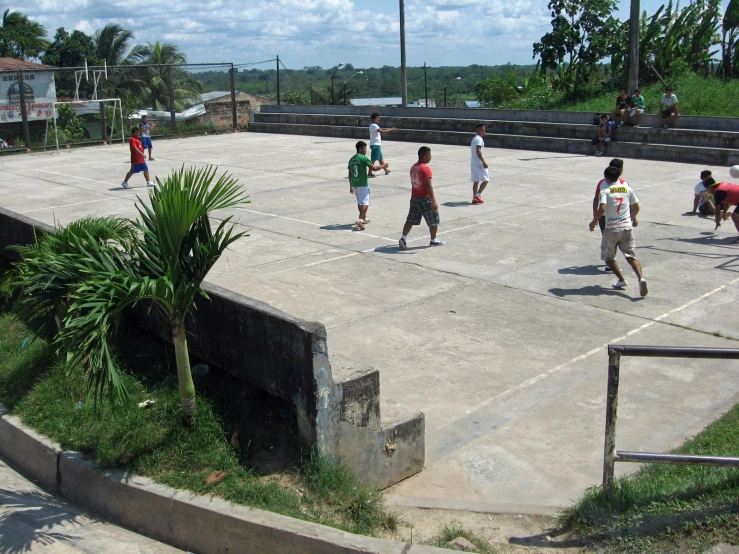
column 610, row 455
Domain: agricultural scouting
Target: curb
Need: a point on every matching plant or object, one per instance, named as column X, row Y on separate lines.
column 199, row 524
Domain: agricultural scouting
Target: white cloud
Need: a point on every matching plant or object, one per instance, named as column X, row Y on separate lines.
column 317, row 32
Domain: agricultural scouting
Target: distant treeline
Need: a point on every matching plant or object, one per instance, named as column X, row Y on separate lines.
column 370, row 83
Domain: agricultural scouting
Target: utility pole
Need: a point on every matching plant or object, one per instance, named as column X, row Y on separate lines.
column 633, row 67
column 403, row 81
column 24, row 109
column 425, row 86
column 232, row 79
column 278, row 79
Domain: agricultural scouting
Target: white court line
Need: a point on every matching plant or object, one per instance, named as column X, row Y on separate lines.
column 74, row 177
column 67, row 205
column 549, row 373
column 311, row 223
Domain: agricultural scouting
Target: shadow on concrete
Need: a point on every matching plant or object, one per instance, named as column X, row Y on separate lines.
column 395, row 249
column 592, row 290
column 339, row 227
column 457, row 204
column 582, row 270
column 28, row 519
column 549, row 158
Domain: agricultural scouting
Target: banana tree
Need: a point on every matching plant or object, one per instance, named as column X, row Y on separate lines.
column 75, row 284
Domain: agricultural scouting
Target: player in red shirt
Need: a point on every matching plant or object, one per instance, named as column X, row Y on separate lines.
column 138, row 161
column 725, row 195
column 423, row 201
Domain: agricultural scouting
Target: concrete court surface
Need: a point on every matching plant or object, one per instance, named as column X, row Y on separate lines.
column 499, row 336
column 32, row 520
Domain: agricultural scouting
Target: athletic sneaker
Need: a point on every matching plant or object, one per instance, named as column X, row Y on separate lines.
column 477, row 200
column 643, row 287
column 360, row 224
column 125, row 185
column 402, row 244
column 598, row 153
column 620, row 285
column 665, row 126
column 150, row 184
column 371, row 176
column 387, row 172
column 437, row 242
column 366, row 220
column 608, row 270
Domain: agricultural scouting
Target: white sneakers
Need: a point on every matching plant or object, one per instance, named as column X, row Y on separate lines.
column 125, row 185
column 643, row 289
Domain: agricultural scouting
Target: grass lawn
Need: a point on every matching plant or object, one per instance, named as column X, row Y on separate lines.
column 696, row 95
column 262, row 467
column 668, row 508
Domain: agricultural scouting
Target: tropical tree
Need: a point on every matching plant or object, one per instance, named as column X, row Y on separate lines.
column 164, row 57
column 70, row 50
column 21, row 37
column 112, row 44
column 729, row 28
column 75, row 284
column 582, row 35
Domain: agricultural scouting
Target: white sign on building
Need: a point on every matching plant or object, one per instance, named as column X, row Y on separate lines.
column 39, row 92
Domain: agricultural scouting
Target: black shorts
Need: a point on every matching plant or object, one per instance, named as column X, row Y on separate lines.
column 705, row 209
column 668, row 112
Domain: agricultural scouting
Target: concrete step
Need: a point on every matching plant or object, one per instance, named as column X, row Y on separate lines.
column 652, row 135
column 619, row 148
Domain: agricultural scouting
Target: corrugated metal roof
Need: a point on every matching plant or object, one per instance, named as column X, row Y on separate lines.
column 10, row 64
column 387, row 101
column 472, row 103
column 208, row 96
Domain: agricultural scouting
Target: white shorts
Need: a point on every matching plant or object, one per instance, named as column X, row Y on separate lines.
column 363, row 195
column 479, row 173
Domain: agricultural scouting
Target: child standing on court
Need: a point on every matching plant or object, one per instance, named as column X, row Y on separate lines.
column 478, row 165
column 376, row 140
column 358, row 185
column 138, row 160
column 146, row 126
column 423, row 201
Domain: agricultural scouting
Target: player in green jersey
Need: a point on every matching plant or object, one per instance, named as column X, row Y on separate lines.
column 358, row 184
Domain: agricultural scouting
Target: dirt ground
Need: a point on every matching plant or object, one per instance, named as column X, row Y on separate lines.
column 506, row 533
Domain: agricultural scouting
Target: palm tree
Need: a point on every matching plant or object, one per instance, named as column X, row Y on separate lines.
column 111, row 44
column 76, row 283
column 21, row 37
column 164, row 55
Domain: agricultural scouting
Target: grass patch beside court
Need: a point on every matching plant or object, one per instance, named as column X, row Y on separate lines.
column 261, row 466
column 668, row 508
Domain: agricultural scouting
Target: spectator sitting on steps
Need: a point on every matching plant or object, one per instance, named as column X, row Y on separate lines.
column 638, row 105
column 668, row 109
column 605, row 134
column 622, row 101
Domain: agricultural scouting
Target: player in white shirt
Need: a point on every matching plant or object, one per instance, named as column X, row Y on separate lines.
column 478, row 165
column 376, row 133
column 620, row 206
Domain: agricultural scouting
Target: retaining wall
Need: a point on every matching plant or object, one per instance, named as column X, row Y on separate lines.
column 288, row 357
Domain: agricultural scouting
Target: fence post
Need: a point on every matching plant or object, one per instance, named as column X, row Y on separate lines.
column 609, row 448
column 24, row 110
column 234, row 121
column 173, row 119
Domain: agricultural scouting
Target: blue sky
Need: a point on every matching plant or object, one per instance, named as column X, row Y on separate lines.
column 321, row 32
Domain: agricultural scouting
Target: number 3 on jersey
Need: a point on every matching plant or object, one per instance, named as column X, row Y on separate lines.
column 355, row 170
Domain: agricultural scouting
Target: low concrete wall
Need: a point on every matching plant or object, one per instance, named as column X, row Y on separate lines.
column 288, row 357
column 665, row 152
column 205, row 525
column 548, row 116
column 643, row 134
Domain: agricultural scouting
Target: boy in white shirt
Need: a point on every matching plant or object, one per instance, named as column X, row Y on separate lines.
column 376, row 133
column 478, row 165
column 620, row 206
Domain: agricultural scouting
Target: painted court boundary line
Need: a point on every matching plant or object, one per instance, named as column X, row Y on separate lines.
column 549, row 373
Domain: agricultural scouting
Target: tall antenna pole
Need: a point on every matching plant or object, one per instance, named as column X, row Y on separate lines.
column 403, row 81
column 278, row 79
column 633, row 75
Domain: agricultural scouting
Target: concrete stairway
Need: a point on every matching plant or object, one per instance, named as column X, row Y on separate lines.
column 700, row 140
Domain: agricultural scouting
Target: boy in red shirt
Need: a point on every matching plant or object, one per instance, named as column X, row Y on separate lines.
column 423, row 201
column 138, row 161
column 725, row 195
